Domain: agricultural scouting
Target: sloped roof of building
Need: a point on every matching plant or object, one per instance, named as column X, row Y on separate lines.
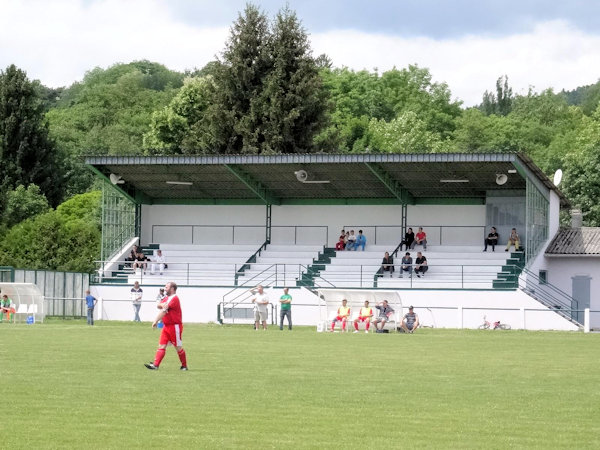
column 583, row 241
column 354, row 178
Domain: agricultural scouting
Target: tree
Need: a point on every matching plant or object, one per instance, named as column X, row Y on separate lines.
column 24, row 203
column 292, row 98
column 501, row 102
column 181, row 126
column 234, row 117
column 27, row 155
column 67, row 238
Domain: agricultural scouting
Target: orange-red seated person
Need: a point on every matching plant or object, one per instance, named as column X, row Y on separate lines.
column 365, row 314
column 343, row 313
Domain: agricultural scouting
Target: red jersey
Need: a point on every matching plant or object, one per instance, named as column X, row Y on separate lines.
column 173, row 315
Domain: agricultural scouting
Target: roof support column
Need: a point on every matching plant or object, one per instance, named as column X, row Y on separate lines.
column 268, row 226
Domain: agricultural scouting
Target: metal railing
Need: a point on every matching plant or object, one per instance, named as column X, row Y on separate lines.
column 243, row 234
column 463, row 276
column 550, row 296
column 436, row 234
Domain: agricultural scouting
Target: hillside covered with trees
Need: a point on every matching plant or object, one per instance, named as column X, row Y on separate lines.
column 266, row 94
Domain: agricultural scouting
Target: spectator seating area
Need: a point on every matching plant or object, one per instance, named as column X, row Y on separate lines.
column 449, row 267
column 283, row 265
column 280, row 265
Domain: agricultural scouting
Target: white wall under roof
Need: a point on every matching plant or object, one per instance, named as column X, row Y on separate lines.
column 317, row 222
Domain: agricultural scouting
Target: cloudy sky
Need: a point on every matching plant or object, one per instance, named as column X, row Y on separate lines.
column 465, row 43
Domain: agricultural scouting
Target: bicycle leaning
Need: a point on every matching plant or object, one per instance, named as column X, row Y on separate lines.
column 487, row 325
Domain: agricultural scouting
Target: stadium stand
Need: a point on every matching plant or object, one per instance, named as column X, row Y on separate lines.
column 202, row 265
column 280, row 265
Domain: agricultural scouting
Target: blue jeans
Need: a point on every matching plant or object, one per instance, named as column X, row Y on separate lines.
column 90, row 316
column 285, row 313
column 136, row 310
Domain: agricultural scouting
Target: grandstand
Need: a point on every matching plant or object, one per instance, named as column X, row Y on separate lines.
column 227, row 223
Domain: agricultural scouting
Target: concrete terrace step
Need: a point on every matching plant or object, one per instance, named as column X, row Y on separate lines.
column 210, row 247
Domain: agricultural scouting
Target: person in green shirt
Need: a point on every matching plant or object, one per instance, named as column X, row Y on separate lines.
column 5, row 307
column 286, row 308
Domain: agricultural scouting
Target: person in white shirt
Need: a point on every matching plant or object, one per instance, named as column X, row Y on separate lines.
column 159, row 260
column 261, row 300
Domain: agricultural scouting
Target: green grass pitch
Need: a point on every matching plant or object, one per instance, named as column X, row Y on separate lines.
column 67, row 385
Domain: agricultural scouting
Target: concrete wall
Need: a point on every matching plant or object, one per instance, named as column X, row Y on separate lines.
column 437, row 308
column 561, row 271
column 319, row 224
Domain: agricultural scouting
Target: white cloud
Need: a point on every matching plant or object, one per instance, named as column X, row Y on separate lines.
column 553, row 54
column 58, row 41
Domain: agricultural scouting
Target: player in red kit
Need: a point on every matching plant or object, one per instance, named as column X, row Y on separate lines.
column 170, row 314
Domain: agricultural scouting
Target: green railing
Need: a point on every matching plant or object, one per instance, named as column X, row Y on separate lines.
column 118, row 221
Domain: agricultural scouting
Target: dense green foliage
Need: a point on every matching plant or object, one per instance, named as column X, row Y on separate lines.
column 24, row 203
column 67, row 238
column 440, row 389
column 27, row 155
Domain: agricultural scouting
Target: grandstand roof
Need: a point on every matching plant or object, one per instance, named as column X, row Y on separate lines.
column 331, row 178
column 583, row 241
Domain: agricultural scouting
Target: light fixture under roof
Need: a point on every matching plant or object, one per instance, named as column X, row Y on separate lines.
column 116, row 179
column 454, row 180
column 302, row 177
column 180, row 183
column 501, row 179
column 512, row 170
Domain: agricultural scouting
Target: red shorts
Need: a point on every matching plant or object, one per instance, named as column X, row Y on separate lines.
column 172, row 334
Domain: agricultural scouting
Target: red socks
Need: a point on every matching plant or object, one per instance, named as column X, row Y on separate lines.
column 160, row 354
column 182, row 357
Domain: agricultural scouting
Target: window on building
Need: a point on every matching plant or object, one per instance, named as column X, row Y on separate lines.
column 543, row 277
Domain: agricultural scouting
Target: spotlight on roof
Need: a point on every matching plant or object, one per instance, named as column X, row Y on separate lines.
column 116, row 179
column 501, row 179
column 454, row 180
column 302, row 177
column 180, row 183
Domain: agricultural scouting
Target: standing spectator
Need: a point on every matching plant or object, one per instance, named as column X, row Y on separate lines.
column 136, row 299
column 6, row 307
column 421, row 265
column 170, row 314
column 492, row 239
column 343, row 313
column 406, row 265
column 351, row 241
column 286, row 308
column 361, row 241
column 160, row 295
column 420, row 239
column 385, row 312
column 91, row 304
column 261, row 300
column 513, row 239
column 410, row 322
column 159, row 260
column 364, row 315
column 387, row 265
column 409, row 238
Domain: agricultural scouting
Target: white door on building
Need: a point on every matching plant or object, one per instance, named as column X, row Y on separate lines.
column 581, row 293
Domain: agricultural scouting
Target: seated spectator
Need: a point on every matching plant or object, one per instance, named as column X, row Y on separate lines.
column 351, row 241
column 387, row 265
column 364, row 316
column 361, row 241
column 406, row 265
column 159, row 261
column 132, row 255
column 513, row 239
column 343, row 313
column 420, row 265
column 141, row 262
column 420, row 239
column 410, row 321
column 341, row 244
column 385, row 312
column 492, row 239
column 6, row 308
column 409, row 238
